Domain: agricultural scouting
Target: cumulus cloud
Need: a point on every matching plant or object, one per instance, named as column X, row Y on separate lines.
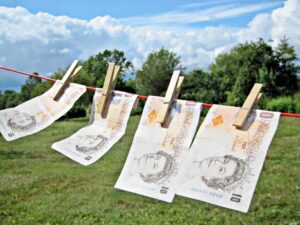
column 42, row 42
column 286, row 22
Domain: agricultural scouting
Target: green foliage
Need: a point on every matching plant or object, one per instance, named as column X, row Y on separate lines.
column 9, row 99
column 197, row 87
column 75, row 112
column 41, row 186
column 282, row 104
column 94, row 68
column 130, row 86
column 156, row 72
column 139, row 108
column 297, row 102
column 233, row 74
column 27, row 88
column 33, row 87
column 286, row 73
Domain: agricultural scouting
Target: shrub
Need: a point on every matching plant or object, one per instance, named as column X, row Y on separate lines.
column 282, row 104
column 75, row 112
column 139, row 109
column 297, row 102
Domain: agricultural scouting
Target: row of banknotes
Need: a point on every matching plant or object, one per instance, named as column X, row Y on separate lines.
column 221, row 165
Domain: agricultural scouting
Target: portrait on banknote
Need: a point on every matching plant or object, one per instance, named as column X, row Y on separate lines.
column 88, row 144
column 20, row 121
column 218, row 172
column 153, row 167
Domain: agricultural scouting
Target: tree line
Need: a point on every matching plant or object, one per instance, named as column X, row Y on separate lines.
column 228, row 80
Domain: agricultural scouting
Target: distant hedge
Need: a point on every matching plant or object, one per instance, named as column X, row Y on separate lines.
column 283, row 104
column 297, row 102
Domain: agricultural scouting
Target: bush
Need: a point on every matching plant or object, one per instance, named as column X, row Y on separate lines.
column 75, row 112
column 282, row 104
column 297, row 102
column 139, row 109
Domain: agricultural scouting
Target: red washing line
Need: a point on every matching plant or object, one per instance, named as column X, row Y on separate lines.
column 143, row 97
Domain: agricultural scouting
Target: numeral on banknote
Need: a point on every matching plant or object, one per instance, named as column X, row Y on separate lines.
column 235, row 198
column 11, row 134
column 164, row 190
column 267, row 115
column 88, row 157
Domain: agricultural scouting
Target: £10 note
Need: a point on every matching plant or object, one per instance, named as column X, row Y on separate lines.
column 38, row 113
column 90, row 143
column 157, row 152
column 224, row 162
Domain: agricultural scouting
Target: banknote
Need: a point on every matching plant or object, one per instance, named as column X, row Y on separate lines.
column 224, row 163
column 38, row 113
column 91, row 142
column 156, row 153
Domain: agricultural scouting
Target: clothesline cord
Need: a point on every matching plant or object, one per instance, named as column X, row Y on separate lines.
column 142, row 97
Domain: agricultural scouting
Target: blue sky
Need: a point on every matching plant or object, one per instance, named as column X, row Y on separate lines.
column 45, row 35
column 89, row 9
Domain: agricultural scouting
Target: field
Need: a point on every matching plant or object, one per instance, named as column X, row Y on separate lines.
column 41, row 186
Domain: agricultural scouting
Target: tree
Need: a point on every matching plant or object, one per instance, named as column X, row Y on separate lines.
column 95, row 67
column 286, row 74
column 33, row 87
column 233, row 74
column 26, row 89
column 156, row 72
column 197, row 87
column 2, row 101
column 9, row 99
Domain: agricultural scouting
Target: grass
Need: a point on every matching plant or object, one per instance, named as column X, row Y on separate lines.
column 41, row 186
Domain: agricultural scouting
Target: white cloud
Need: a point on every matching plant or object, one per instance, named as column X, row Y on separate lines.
column 282, row 22
column 260, row 26
column 218, row 11
column 286, row 22
column 42, row 42
column 65, row 51
column 206, row 3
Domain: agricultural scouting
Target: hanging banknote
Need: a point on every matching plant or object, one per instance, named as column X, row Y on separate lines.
column 91, row 142
column 224, row 163
column 38, row 113
column 156, row 152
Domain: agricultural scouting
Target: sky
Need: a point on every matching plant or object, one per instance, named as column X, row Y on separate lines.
column 42, row 36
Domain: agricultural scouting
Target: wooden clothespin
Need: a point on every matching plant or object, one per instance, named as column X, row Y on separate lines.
column 248, row 105
column 109, row 85
column 171, row 95
column 67, row 78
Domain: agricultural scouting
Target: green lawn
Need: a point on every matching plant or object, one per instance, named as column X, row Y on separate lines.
column 41, row 186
